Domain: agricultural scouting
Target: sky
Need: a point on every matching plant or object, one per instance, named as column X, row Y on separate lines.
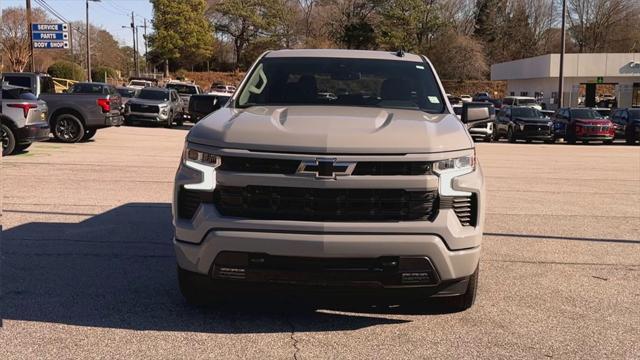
column 110, row 15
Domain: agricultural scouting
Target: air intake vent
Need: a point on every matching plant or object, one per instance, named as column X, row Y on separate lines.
column 465, row 208
column 190, row 200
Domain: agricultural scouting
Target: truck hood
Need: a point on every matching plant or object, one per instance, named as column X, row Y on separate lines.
column 145, row 101
column 331, row 129
column 598, row 122
column 532, row 121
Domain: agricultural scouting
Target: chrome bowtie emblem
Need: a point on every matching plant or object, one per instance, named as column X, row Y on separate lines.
column 326, row 168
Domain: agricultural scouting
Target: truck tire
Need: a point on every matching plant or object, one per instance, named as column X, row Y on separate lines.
column 22, row 147
column 88, row 134
column 68, row 128
column 197, row 289
column 8, row 140
column 511, row 135
column 466, row 300
column 629, row 135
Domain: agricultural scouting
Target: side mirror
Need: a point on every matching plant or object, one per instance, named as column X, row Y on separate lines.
column 472, row 115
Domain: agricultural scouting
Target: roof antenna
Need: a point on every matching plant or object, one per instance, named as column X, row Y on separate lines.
column 400, row 53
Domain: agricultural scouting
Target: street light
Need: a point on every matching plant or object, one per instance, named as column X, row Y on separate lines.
column 88, row 43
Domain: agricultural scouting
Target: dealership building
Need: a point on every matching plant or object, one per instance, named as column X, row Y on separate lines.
column 587, row 77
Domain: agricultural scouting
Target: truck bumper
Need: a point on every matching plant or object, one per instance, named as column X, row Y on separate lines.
column 114, row 120
column 365, row 260
column 34, row 132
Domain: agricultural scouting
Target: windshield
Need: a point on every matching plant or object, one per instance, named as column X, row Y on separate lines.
column 87, row 88
column 183, row 89
column 527, row 113
column 634, row 114
column 139, row 83
column 585, row 114
column 526, row 101
column 352, row 82
column 18, row 93
column 154, row 95
column 128, row 93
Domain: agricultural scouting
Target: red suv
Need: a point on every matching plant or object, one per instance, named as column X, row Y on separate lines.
column 583, row 124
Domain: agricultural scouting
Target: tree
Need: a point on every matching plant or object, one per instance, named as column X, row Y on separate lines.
column 592, row 22
column 458, row 57
column 182, row 33
column 408, row 24
column 351, row 23
column 14, row 35
column 243, row 22
column 66, row 70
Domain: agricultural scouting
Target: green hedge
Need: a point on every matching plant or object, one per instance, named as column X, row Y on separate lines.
column 97, row 74
column 66, row 70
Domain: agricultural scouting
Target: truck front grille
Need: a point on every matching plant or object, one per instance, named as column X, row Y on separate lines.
column 465, row 207
column 150, row 109
column 305, row 204
column 289, row 167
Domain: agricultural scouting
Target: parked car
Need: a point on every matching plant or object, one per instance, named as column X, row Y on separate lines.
column 521, row 101
column 73, row 117
column 127, row 93
column 23, row 119
column 583, row 124
column 221, row 88
column 185, row 91
column 481, row 96
column 153, row 105
column 454, row 100
column 204, row 104
column 497, row 103
column 627, row 124
column 282, row 187
column 466, row 98
column 484, row 131
column 523, row 123
column 141, row 84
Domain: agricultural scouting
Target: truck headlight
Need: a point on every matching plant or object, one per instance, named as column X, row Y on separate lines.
column 205, row 163
column 449, row 169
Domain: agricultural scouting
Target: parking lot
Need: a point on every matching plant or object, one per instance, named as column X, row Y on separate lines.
column 89, row 268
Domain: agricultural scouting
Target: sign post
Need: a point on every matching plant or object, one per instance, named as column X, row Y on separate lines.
column 50, row 36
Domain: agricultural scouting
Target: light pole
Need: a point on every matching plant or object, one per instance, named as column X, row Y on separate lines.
column 88, row 42
column 562, row 50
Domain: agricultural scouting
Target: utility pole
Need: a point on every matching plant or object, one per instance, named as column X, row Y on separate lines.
column 562, row 51
column 88, row 44
column 137, row 53
column 32, row 66
column 135, row 43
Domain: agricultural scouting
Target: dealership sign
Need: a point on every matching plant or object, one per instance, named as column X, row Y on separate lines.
column 50, row 36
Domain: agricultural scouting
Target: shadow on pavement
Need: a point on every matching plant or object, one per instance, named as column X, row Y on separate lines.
column 117, row 270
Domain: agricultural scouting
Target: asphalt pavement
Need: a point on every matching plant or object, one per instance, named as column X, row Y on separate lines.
column 88, row 269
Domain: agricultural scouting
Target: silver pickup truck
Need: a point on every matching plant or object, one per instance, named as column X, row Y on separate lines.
column 374, row 191
column 23, row 119
column 73, row 117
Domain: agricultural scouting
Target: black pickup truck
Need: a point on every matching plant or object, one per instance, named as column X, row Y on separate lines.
column 77, row 115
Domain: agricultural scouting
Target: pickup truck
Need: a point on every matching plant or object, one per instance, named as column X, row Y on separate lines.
column 374, row 192
column 23, row 119
column 76, row 116
column 185, row 91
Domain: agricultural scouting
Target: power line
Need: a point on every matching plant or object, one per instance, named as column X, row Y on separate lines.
column 51, row 10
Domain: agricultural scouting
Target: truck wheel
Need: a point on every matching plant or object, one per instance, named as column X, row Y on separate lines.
column 197, row 289
column 466, row 300
column 495, row 136
column 629, row 135
column 8, row 140
column 88, row 134
column 608, row 142
column 511, row 136
column 22, row 147
column 68, row 128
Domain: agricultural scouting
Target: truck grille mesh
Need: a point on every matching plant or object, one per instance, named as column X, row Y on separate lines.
column 304, row 204
column 289, row 167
